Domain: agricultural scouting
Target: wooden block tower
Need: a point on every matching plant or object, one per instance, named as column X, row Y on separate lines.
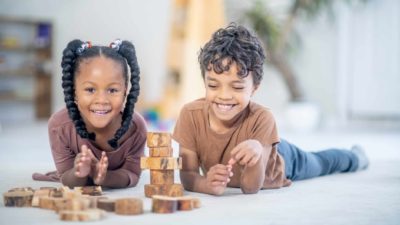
column 161, row 165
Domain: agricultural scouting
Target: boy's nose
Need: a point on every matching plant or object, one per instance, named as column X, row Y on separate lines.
column 224, row 93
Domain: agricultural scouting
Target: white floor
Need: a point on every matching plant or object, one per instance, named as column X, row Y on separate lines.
column 368, row 197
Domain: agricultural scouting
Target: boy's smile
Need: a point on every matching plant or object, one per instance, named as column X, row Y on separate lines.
column 100, row 93
column 228, row 94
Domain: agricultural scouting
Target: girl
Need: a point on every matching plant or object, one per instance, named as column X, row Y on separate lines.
column 97, row 139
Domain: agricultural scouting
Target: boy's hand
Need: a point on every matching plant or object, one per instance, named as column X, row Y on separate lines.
column 218, row 177
column 247, row 153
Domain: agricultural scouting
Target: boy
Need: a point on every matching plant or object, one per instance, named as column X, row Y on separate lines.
column 235, row 141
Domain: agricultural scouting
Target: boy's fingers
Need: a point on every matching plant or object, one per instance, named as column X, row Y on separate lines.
column 231, row 162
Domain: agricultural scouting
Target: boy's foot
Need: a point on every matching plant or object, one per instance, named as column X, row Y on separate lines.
column 363, row 161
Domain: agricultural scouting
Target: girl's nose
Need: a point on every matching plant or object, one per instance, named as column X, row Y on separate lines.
column 101, row 97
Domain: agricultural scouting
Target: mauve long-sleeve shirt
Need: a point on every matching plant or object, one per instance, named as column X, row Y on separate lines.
column 65, row 144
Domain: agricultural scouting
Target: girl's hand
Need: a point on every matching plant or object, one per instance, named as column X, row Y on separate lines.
column 83, row 162
column 98, row 168
column 101, row 169
column 247, row 153
column 217, row 178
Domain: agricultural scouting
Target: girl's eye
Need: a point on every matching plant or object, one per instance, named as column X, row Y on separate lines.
column 238, row 88
column 113, row 90
column 89, row 90
column 212, row 86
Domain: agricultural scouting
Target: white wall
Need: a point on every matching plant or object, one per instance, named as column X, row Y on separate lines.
column 145, row 23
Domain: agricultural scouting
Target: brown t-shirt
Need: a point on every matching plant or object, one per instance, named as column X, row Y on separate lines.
column 65, row 144
column 192, row 131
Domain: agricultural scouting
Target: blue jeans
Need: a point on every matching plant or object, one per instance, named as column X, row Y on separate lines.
column 300, row 165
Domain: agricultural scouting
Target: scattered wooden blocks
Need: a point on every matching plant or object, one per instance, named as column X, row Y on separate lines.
column 106, row 204
column 166, row 204
column 17, row 198
column 90, row 190
column 87, row 215
column 128, row 206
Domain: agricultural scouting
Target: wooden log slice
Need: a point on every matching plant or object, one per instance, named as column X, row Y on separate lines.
column 106, row 204
column 172, row 190
column 161, row 163
column 158, row 139
column 160, row 152
column 164, row 204
column 90, row 190
column 128, row 206
column 86, row 215
column 18, row 199
column 162, row 176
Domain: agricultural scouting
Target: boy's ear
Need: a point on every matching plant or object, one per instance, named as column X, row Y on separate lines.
column 255, row 88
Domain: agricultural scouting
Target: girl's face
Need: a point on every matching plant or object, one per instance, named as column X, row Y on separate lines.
column 100, row 93
column 227, row 93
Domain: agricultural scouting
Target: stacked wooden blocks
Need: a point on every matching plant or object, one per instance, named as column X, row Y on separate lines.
column 161, row 165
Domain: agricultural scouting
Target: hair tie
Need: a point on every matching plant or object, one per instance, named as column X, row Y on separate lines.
column 116, row 44
column 84, row 46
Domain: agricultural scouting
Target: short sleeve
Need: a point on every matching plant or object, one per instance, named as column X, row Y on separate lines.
column 265, row 129
column 184, row 131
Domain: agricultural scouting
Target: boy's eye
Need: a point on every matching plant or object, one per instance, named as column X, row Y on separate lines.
column 238, row 88
column 89, row 90
column 212, row 86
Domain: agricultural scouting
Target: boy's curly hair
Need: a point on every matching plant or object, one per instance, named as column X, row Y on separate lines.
column 237, row 44
column 71, row 61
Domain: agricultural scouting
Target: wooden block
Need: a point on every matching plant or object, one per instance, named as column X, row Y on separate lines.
column 21, row 189
column 161, row 163
column 94, row 200
column 51, row 202
column 158, row 139
column 163, row 204
column 38, row 194
column 106, row 204
column 128, row 206
column 162, row 176
column 160, row 152
column 90, row 190
column 172, row 190
column 18, row 198
column 86, row 215
column 56, row 193
column 185, row 203
column 47, row 188
column 73, row 204
column 196, row 202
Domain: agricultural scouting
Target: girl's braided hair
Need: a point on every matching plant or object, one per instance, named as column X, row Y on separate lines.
column 122, row 52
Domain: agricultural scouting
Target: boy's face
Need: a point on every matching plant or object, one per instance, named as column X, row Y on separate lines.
column 100, row 93
column 227, row 93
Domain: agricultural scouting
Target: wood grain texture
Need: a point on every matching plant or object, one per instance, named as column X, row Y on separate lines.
column 161, row 163
column 162, row 176
column 128, row 206
column 18, row 198
column 172, row 190
column 86, row 215
column 158, row 139
column 163, row 204
column 106, row 204
column 160, row 152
